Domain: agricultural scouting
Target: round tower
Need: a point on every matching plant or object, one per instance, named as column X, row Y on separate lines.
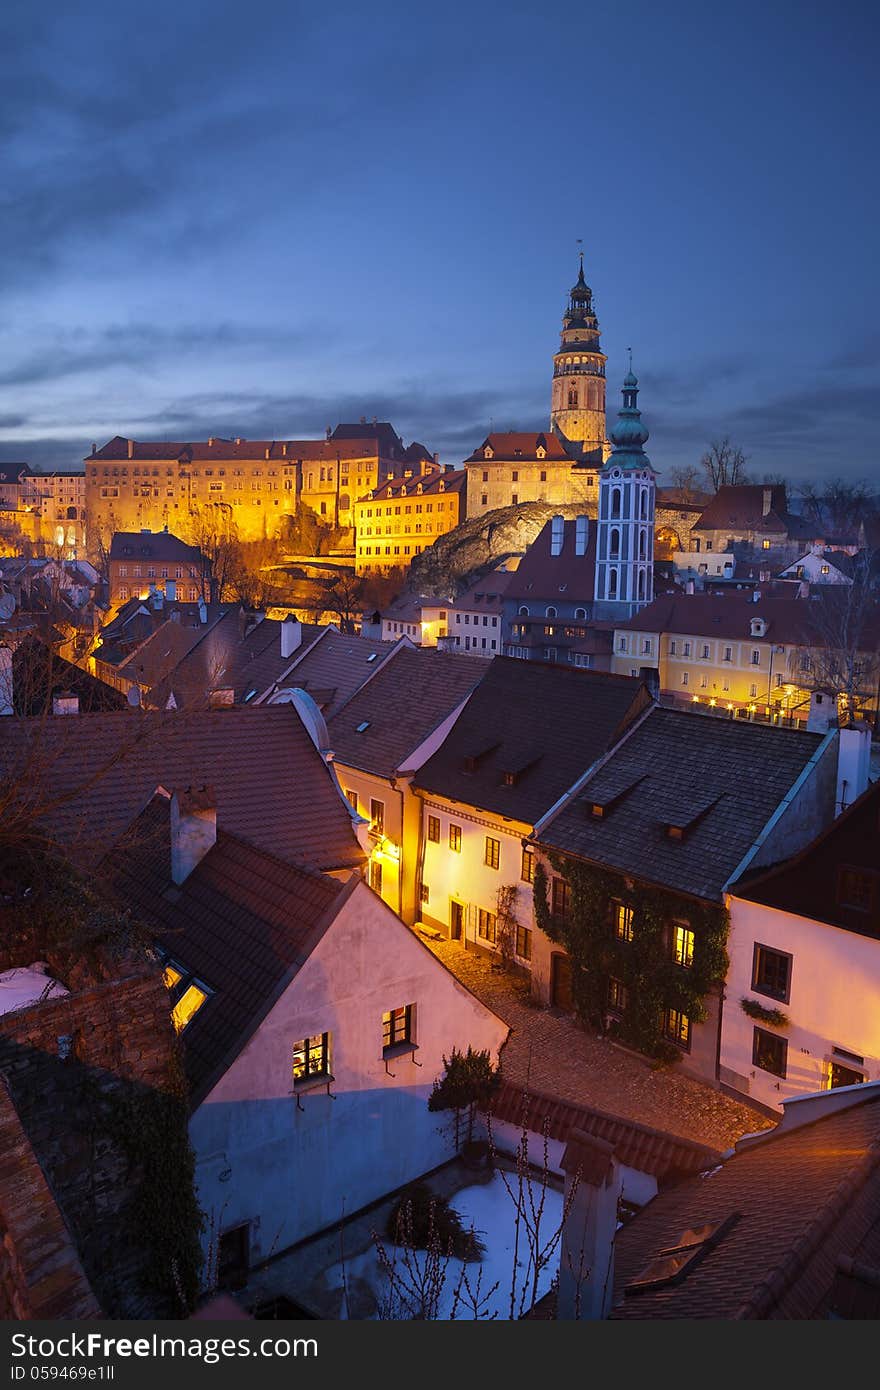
column 577, row 401
column 625, row 528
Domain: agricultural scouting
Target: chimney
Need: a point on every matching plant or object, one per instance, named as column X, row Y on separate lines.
column 767, row 501
column 756, row 596
column 853, row 765
column 822, row 714
column 586, row 1259
column 557, row 532
column 203, row 611
column 804, row 589
column 328, row 431
column 193, row 829
column 171, row 590
column 131, row 448
column 65, row 702
column 268, row 452
column 157, row 598
column 6, row 705
column 291, row 636
column 437, row 460
column 689, row 586
column 581, row 527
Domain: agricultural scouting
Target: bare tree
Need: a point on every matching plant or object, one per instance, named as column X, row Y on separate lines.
column 724, row 464
column 506, row 923
column 344, row 597
column 686, row 479
column 839, row 505
column 841, row 655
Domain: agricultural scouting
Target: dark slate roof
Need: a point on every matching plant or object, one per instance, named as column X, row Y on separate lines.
column 545, row 723
column 401, row 705
column 563, row 578
column 243, row 923
column 93, row 773
column 741, row 508
column 153, row 545
column 803, row 1199
column 333, row 668
column 39, row 674
column 382, row 435
column 666, row 1156
column 240, row 652
column 809, row 886
column 790, row 621
column 419, row 484
column 718, row 779
column 137, row 620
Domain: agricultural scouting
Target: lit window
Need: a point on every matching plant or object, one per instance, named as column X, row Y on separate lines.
column 618, row 996
column 187, row 1006
column 677, row 1027
column 622, row 918
column 352, row 799
column 397, row 1027
column 455, row 837
column 527, row 870
column 492, row 853
column 523, row 942
column 311, row 1058
column 434, row 829
column 682, row 945
column 377, row 816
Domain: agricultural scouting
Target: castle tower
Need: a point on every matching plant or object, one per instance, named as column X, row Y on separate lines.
column 625, row 529
column 577, row 402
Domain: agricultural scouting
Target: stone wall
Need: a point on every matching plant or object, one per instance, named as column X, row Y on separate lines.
column 74, row 1066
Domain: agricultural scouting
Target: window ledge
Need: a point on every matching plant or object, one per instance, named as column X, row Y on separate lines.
column 401, row 1049
column 312, row 1083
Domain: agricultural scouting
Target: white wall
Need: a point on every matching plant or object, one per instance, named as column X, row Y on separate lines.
column 291, row 1172
column 835, row 999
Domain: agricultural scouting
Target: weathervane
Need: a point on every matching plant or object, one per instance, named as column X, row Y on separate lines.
column 630, row 351
column 580, row 244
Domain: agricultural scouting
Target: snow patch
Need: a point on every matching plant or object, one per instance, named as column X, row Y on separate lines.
column 26, row 985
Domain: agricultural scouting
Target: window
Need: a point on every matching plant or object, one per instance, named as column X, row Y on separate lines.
column 527, row 868
column 377, row 816
column 677, row 1028
column 705, row 651
column 352, row 798
column 753, row 692
column 187, row 994
column 561, row 898
column 728, row 653
column 523, row 942
column 622, row 919
column 621, row 644
column 455, row 837
column 397, row 1027
column 839, row 1075
column 682, row 945
column 856, row 889
column 769, row 1051
column 487, row 925
column 376, row 876
column 434, row 829
column 646, row 646
column 492, row 852
column 684, row 677
column 311, row 1058
column 618, row 996
column 424, row 893
column 673, row 647
column 686, row 649
column 233, row 1258
column 771, row 972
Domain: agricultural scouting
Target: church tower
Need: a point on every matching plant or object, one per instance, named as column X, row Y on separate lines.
column 577, row 402
column 625, row 529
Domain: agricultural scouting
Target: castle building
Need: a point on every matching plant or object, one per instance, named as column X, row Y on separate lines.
column 562, row 465
column 625, row 530
column 397, row 519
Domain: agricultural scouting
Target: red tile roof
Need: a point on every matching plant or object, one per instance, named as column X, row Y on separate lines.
column 741, row 508
column 153, row 545
column 801, row 1200
column 419, row 484
column 790, row 620
column 243, row 922
column 91, row 774
column 205, row 450
column 809, row 884
column 666, row 1156
column 544, row 576
column 522, row 445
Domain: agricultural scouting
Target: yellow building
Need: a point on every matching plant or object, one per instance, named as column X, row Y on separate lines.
column 748, row 654
column 398, row 519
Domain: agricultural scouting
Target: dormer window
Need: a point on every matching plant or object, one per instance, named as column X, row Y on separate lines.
column 757, row 627
column 488, row 453
column 541, row 452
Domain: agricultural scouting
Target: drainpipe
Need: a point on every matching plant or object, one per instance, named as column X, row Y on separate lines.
column 399, row 790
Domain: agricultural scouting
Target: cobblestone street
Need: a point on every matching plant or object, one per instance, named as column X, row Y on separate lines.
column 548, row 1050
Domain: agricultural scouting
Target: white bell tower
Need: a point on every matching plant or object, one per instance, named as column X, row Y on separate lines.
column 625, row 528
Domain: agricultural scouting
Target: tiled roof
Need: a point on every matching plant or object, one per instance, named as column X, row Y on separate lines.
column 381, row 435
column 718, row 779
column 361, row 445
column 137, row 621
column 513, row 445
column 333, row 667
column 419, row 485
column 790, row 620
column 236, row 653
column 545, row 724
column 93, row 773
column 153, row 545
column 401, row 705
column 564, row 576
column 11, row 472
column 665, row 1156
column 808, row 885
column 38, row 674
column 486, row 594
column 801, row 1201
column 242, row 922
column 741, row 508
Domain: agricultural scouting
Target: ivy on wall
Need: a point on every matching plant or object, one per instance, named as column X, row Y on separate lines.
column 644, row 965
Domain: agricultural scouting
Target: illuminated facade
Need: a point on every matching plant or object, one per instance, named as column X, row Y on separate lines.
column 625, row 531
column 577, row 410
column 402, row 516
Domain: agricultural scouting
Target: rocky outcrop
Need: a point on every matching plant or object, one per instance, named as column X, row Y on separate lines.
column 479, row 544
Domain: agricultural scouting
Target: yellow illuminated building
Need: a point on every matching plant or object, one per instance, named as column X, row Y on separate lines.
column 397, row 520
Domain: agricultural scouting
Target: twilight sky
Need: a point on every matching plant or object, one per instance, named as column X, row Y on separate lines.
column 267, row 217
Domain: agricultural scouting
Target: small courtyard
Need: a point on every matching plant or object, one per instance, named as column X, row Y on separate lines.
column 548, row 1051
